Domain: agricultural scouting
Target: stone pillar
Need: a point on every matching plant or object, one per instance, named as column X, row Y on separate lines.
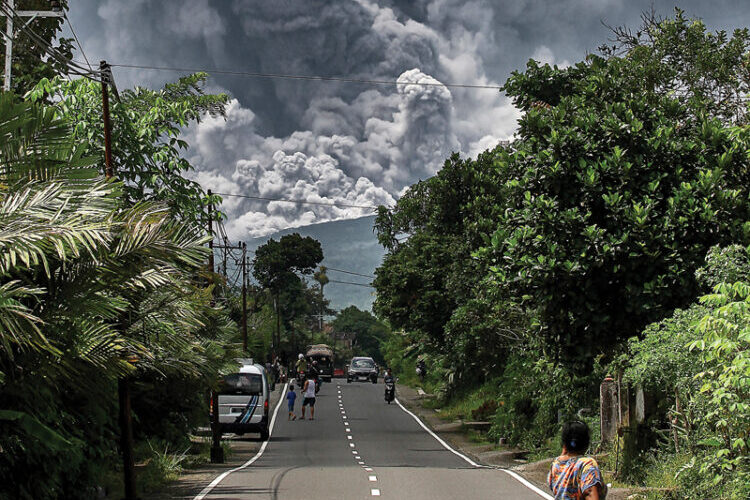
column 609, row 409
column 640, row 406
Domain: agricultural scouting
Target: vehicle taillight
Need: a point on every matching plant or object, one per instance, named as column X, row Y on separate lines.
column 265, row 407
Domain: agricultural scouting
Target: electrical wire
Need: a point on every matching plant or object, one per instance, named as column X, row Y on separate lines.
column 308, row 77
column 351, row 283
column 348, row 272
column 70, row 25
column 52, row 52
column 301, row 202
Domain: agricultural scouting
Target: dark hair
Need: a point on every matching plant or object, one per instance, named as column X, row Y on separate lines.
column 576, row 436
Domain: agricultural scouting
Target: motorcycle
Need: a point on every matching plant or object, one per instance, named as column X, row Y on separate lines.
column 390, row 391
column 301, row 377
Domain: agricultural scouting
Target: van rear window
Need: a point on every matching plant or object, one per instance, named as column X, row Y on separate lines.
column 241, row 383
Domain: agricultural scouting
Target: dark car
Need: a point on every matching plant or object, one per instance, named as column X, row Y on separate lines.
column 362, row 368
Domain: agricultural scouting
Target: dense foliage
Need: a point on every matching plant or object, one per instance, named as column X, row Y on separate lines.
column 146, row 127
column 368, row 331
column 551, row 256
column 93, row 289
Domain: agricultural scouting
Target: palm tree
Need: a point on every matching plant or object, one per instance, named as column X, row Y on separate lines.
column 88, row 286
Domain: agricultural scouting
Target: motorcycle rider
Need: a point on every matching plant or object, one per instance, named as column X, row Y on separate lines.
column 390, row 385
column 301, row 369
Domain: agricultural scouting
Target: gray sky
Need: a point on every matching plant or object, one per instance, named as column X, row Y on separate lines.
column 349, row 143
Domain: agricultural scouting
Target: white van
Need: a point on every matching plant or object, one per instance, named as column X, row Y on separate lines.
column 244, row 400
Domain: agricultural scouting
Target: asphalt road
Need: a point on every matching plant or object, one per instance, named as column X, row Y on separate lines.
column 359, row 447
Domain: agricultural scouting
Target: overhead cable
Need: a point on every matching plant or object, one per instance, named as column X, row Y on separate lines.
column 70, row 25
column 351, row 283
column 301, row 202
column 308, row 77
column 70, row 66
column 348, row 272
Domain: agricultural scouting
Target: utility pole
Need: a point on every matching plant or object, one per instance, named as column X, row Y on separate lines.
column 123, row 383
column 217, row 453
column 56, row 11
column 108, row 167
column 244, row 297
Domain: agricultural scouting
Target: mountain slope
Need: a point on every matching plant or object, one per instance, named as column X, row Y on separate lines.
column 349, row 245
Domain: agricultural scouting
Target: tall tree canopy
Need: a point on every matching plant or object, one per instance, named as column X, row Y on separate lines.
column 369, row 331
column 618, row 185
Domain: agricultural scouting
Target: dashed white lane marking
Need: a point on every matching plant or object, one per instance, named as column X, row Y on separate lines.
column 515, row 476
column 348, row 437
column 368, row 469
column 250, row 462
column 372, row 478
column 375, row 492
column 351, row 445
column 354, row 452
column 357, row 457
column 361, row 463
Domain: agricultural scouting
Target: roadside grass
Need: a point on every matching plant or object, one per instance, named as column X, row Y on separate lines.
column 159, row 463
column 463, row 404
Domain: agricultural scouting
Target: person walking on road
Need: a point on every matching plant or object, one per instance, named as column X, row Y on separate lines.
column 573, row 476
column 291, row 397
column 309, row 393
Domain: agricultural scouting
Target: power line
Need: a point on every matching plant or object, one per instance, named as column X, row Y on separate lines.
column 348, row 272
column 70, row 25
column 70, row 66
column 351, row 283
column 301, row 202
column 308, row 77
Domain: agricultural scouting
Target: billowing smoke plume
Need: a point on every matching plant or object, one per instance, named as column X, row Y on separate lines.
column 351, row 144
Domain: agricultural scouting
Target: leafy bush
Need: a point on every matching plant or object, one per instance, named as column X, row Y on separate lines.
column 725, row 383
column 485, row 411
column 536, row 394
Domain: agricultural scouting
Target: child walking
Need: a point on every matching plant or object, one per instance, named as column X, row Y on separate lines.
column 291, row 396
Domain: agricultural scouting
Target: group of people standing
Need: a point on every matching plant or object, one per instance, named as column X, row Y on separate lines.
column 311, row 381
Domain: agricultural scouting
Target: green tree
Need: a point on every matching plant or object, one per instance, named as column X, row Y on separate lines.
column 277, row 266
column 369, row 331
column 430, row 283
column 614, row 191
column 148, row 153
column 88, row 286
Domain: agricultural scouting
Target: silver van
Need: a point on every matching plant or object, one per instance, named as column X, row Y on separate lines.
column 243, row 400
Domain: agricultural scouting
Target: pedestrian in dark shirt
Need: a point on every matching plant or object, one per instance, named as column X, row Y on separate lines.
column 291, row 397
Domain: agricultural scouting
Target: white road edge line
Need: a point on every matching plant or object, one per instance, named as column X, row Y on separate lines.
column 524, row 482
column 470, row 461
column 222, row 476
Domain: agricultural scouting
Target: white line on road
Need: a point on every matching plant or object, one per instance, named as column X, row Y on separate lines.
column 221, row 477
column 351, row 445
column 348, row 437
column 372, row 478
column 375, row 492
column 368, row 469
column 470, row 461
column 524, row 482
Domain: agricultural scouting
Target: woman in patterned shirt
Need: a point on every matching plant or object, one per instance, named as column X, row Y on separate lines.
column 573, row 476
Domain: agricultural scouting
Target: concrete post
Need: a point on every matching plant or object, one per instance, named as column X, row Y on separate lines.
column 609, row 409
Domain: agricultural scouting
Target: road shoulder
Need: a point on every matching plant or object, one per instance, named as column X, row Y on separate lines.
column 192, row 481
column 453, row 434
